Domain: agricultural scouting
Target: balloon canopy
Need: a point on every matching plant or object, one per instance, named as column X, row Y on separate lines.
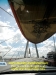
column 35, row 18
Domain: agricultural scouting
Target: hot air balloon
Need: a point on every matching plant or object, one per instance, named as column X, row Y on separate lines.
column 35, row 18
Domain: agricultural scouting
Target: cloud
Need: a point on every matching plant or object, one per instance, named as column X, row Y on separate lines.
column 16, row 36
column 5, row 31
column 7, row 22
column 48, row 42
column 9, row 10
column 54, row 35
column 4, row 50
column 12, row 36
column 9, row 33
column 24, row 41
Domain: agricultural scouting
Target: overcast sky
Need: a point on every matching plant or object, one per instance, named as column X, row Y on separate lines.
column 15, row 42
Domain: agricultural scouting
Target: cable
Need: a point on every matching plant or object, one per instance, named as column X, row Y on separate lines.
column 6, row 40
column 5, row 11
column 17, row 54
column 7, row 52
column 8, row 26
column 5, row 26
column 13, row 54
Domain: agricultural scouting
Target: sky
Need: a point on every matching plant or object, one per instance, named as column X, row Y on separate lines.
column 13, row 41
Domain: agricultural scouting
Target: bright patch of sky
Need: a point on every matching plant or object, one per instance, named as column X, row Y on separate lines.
column 12, row 39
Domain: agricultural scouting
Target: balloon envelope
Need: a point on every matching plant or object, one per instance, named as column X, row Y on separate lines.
column 35, row 18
